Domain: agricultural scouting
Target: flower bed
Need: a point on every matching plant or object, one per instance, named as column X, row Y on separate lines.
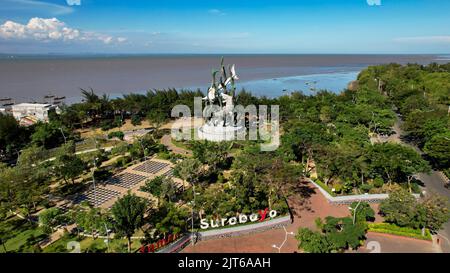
column 400, row 231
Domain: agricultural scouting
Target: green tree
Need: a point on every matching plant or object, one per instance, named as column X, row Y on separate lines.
column 128, row 213
column 69, row 167
column 433, row 212
column 170, row 218
column 313, row 242
column 91, row 220
column 399, row 208
column 363, row 211
column 188, row 170
column 12, row 137
column 438, row 148
column 395, row 162
column 51, row 218
column 49, row 135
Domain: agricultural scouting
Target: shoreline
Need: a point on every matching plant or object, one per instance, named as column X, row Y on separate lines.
column 29, row 79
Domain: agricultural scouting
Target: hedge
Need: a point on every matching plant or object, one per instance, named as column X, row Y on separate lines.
column 325, row 187
column 400, row 231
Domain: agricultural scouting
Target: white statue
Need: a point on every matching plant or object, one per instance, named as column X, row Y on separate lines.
column 220, row 105
column 222, row 123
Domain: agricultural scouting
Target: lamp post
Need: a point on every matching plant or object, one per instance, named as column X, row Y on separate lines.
column 93, row 175
column 285, row 239
column 107, row 236
column 64, row 136
column 354, row 211
column 192, row 215
column 93, row 181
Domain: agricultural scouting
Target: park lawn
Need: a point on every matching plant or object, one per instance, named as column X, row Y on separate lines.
column 91, row 132
column 88, row 244
column 180, row 144
column 23, row 235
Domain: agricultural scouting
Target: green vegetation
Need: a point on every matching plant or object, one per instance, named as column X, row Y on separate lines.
column 335, row 235
column 400, row 231
column 421, row 95
column 337, row 139
column 161, row 187
column 404, row 210
column 19, row 235
column 118, row 134
column 128, row 213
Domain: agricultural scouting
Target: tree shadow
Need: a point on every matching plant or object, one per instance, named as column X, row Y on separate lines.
column 300, row 200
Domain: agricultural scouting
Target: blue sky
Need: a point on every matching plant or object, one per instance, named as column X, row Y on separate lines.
column 232, row 26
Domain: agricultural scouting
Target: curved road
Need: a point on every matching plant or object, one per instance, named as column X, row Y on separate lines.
column 434, row 183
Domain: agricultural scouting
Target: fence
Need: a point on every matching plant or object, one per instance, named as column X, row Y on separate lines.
column 243, row 229
column 348, row 199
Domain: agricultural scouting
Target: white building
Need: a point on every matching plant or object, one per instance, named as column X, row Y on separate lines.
column 34, row 111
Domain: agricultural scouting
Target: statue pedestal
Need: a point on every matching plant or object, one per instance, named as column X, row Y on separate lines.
column 221, row 133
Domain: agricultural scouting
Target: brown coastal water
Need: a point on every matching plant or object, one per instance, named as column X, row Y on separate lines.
column 31, row 78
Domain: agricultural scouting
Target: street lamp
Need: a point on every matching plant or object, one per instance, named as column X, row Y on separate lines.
column 192, row 214
column 354, row 211
column 64, row 136
column 285, row 239
column 107, row 236
column 93, row 174
column 93, row 181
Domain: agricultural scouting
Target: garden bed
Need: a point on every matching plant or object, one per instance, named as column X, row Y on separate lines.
column 400, row 231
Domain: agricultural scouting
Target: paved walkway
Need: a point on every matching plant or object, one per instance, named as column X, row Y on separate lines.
column 308, row 204
column 166, row 140
column 386, row 243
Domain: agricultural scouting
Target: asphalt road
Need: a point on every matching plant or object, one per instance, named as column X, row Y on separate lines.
column 434, row 183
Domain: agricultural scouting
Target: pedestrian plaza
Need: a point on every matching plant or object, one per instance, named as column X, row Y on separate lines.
column 126, row 180
column 101, row 196
column 151, row 167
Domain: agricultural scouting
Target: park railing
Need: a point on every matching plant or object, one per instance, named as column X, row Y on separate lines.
column 243, row 229
column 348, row 199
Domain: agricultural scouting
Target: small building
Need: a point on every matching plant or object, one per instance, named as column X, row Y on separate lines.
column 6, row 105
column 32, row 111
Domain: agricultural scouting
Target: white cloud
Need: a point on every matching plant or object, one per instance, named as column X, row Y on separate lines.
column 73, row 2
column 52, row 29
column 216, row 12
column 424, row 40
column 35, row 6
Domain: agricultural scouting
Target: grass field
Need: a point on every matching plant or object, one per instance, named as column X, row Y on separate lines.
column 20, row 235
column 91, row 245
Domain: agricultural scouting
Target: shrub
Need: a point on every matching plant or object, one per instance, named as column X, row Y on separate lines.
column 400, row 231
column 136, row 120
column 366, row 187
column 118, row 134
column 123, row 161
column 107, row 125
column 378, row 182
column 120, row 149
column 325, row 187
column 102, row 175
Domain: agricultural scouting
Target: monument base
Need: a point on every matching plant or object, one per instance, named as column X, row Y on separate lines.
column 221, row 133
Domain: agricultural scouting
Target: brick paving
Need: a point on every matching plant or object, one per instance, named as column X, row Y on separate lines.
column 308, row 204
column 396, row 244
column 131, row 179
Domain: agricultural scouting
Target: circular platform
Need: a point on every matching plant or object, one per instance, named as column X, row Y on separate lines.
column 221, row 133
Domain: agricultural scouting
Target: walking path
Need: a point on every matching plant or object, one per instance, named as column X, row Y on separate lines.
column 166, row 140
column 307, row 205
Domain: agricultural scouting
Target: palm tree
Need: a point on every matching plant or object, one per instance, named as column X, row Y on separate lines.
column 128, row 214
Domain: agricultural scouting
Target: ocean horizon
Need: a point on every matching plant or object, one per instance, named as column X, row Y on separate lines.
column 30, row 77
